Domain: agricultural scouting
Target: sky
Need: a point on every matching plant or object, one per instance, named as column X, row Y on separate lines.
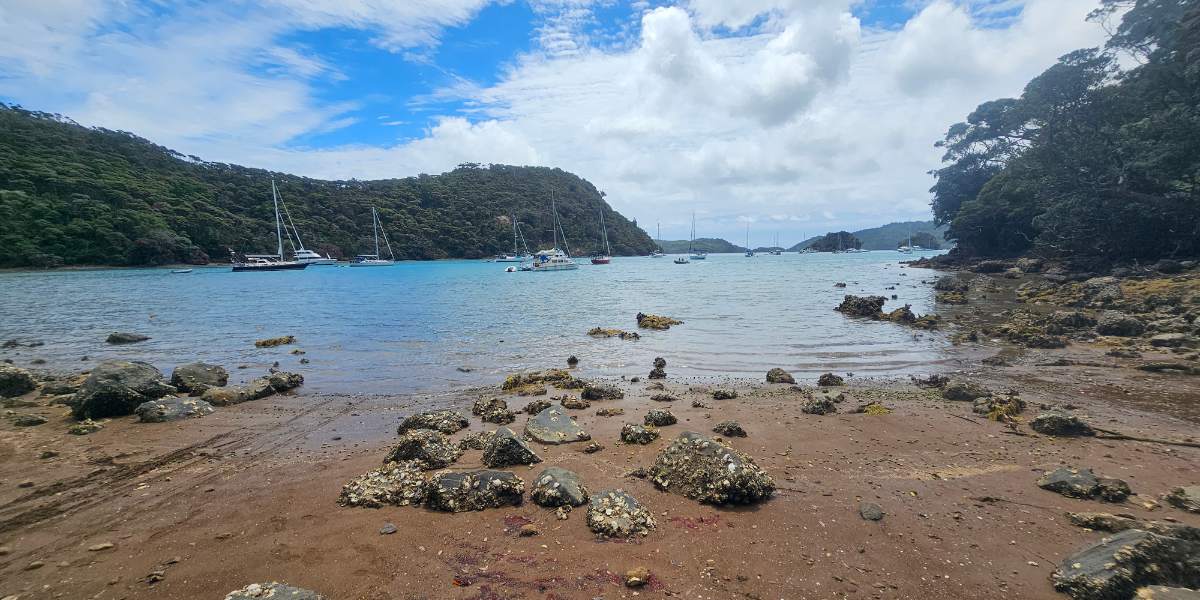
column 796, row 117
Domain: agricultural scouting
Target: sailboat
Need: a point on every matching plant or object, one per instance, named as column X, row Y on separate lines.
column 517, row 256
column 374, row 260
column 695, row 255
column 749, row 252
column 658, row 251
column 777, row 250
column 907, row 248
column 606, row 258
column 299, row 252
column 555, row 259
column 268, row 262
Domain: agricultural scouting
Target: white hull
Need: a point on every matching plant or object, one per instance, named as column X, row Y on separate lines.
column 373, row 263
column 555, row 267
column 317, row 261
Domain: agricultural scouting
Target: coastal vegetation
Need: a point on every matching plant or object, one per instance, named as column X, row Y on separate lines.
column 839, row 240
column 885, row 237
column 710, row 245
column 1095, row 160
column 73, row 195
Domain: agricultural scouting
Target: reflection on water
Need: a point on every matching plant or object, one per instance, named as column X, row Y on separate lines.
column 411, row 326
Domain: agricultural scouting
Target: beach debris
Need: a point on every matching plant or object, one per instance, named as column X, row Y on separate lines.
column 1000, row 407
column 729, row 429
column 1116, row 566
column 840, row 284
column 618, row 333
column 1186, row 498
column 637, row 577
column 1119, row 324
column 552, row 426
column 505, row 449
column 574, row 403
column 870, row 511
column 659, row 418
column 474, row 490
column 172, row 408
column 445, row 421
column 116, row 388
column 394, row 484
column 830, row 380
column 1082, row 483
column 709, row 471
column 274, row 591
column 195, row 378
column 609, row 412
column 29, row 420
column 430, row 449
column 632, row 433
column 964, row 391
column 536, row 406
column 275, row 341
column 556, row 486
column 1059, row 423
column 15, row 381
column 724, row 394
column 120, row 337
column 476, row 441
column 85, row 427
column 819, row 406
column 659, row 370
column 646, row 321
column 600, row 391
column 615, row 513
column 778, row 375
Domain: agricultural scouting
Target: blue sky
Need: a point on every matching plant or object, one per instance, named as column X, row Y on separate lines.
column 797, row 116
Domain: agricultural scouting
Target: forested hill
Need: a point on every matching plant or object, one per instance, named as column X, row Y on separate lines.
column 713, row 245
column 88, row 196
column 887, row 237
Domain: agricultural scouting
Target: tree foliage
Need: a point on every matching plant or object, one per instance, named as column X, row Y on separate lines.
column 840, row 240
column 75, row 195
column 1092, row 160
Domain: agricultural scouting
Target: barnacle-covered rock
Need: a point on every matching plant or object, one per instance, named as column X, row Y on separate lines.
column 1060, row 424
column 619, row 333
column 633, row 433
column 395, row 484
column 574, row 403
column 1082, row 483
column 830, row 380
column 819, row 406
column 195, row 378
column 705, row 470
column 552, row 426
column 428, row 447
column 1000, row 407
column 15, row 381
column 556, row 377
column 484, row 405
column 275, row 341
column 273, row 591
column 862, row 306
column 610, row 412
column 556, row 486
column 615, row 513
column 729, row 429
column 445, row 421
column 723, row 394
column 646, row 321
column 964, row 391
column 476, row 441
column 505, row 449
column 536, row 406
column 600, row 391
column 1115, row 567
column 474, row 490
column 172, row 408
column 660, row 418
column 778, row 375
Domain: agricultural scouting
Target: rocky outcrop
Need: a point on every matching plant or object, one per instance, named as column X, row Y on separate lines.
column 708, row 471
column 618, row 333
column 172, row 408
column 273, row 591
column 778, row 375
column 862, row 306
column 659, row 418
column 1185, row 498
column 729, row 429
column 600, row 391
column 616, row 514
column 196, row 378
column 428, row 448
column 1060, row 424
column 1119, row 324
column 632, row 433
column 556, row 486
column 395, row 484
column 120, row 337
column 116, row 388
column 474, row 490
column 15, row 381
column 445, row 421
column 275, row 341
column 256, row 389
column 646, row 321
column 1115, row 567
column 830, row 380
column 505, row 449
column 1082, row 483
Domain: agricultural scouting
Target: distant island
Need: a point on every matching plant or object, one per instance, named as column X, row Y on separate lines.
column 73, row 195
column 892, row 235
column 709, row 245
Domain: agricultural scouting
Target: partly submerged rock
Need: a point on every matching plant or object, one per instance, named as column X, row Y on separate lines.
column 15, row 381
column 1186, row 498
column 445, row 421
column 708, row 471
column 619, row 333
column 615, row 513
column 1060, row 424
column 256, row 389
column 646, row 321
column 1115, row 567
column 172, row 408
column 632, row 433
column 429, row 448
column 116, row 388
column 830, row 380
column 275, row 341
column 1082, row 483
column 729, row 429
column 282, row 381
column 601, row 391
column 197, row 377
column 552, row 426
column 120, row 337
column 394, row 484
column 778, row 375
column 862, row 306
column 474, row 490
column 505, row 449
column 273, row 591
column 556, row 486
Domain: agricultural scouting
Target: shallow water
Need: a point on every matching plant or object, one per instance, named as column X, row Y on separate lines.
column 410, row 327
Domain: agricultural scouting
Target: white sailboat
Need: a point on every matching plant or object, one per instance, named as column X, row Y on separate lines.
column 517, row 256
column 777, row 250
column 695, row 255
column 299, row 252
column 268, row 262
column 374, row 260
column 554, row 259
column 749, row 251
column 658, row 252
column 606, row 258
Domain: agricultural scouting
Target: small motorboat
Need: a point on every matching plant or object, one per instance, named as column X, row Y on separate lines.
column 682, row 260
column 180, row 271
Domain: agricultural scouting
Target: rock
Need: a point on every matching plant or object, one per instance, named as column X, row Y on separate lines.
column 663, row 398
column 498, row 416
column 445, row 421
column 656, row 322
column 999, row 408
column 592, row 447
column 275, row 341
column 607, row 333
column 778, row 375
column 572, row 360
column 552, row 426
column 830, row 380
column 428, row 448
column 610, row 412
column 505, row 449
column 574, row 403
column 819, row 406
column 29, row 420
column 556, row 486
column 196, row 378
column 394, row 484
column 633, row 433
column 556, row 377
column 236, row 394
column 388, row 529
column 1060, row 424
column 274, row 591
column 1013, row 273
column 1103, row 521
column 529, row 530
column 730, row 429
column 476, row 441
column 484, row 405
column 1168, row 266
column 708, row 471
column 15, row 381
column 172, row 408
column 599, row 391
column 1162, row 592
column 1116, row 566
column 657, row 373
column 1171, row 340
column 536, row 406
column 1030, row 265
column 84, row 427
column 862, row 306
column 964, row 391
column 1186, row 498
column 950, row 283
column 950, row 298
column 615, row 513
column 101, row 547
column 870, row 511
column 1072, row 319
column 659, row 418
column 1119, row 324
column 282, row 381
column 474, row 490
column 990, row 266
column 637, row 577
column 116, row 388
column 1082, row 483
column 722, row 394
column 118, row 337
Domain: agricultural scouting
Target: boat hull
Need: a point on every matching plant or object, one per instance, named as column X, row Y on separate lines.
column 373, row 263
column 601, row 260
column 270, row 267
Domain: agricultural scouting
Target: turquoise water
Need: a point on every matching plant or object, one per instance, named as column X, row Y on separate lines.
column 411, row 327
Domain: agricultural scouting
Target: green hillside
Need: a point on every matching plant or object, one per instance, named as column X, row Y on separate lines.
column 72, row 195
column 888, row 236
column 713, row 245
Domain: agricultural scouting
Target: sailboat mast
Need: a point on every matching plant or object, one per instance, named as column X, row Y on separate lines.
column 278, row 222
column 554, row 222
column 514, row 220
column 375, row 229
column 604, row 230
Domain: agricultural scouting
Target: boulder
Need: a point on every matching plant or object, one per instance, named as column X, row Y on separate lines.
column 830, row 380
column 275, row 341
column 445, row 421
column 1116, row 566
column 778, row 375
column 273, row 591
column 505, row 449
column 118, row 337
column 964, row 391
column 116, row 388
column 1119, row 324
column 729, row 429
column 15, row 381
column 646, row 321
column 819, row 406
column 616, row 514
column 574, row 403
column 1186, row 498
column 862, row 306
column 990, row 266
column 1171, row 340
column 172, row 408
column 556, row 486
column 196, row 378
column 633, row 433
column 1030, row 265
column 552, row 426
column 708, row 471
column 477, row 440
column 394, row 484
column 428, row 448
column 1060, row 424
column 950, row 283
column 659, row 418
column 722, row 394
column 282, row 381
column 1082, row 483
column 600, row 391
column 29, row 420
column 474, row 490
column 536, row 406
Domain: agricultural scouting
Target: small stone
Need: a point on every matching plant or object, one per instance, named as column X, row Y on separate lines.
column 528, row 530
column 388, row 529
column 33, row 566
column 102, row 546
column 870, row 511
column 637, row 577
column 29, row 420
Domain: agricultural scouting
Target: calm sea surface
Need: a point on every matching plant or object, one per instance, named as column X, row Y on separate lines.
column 410, row 327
